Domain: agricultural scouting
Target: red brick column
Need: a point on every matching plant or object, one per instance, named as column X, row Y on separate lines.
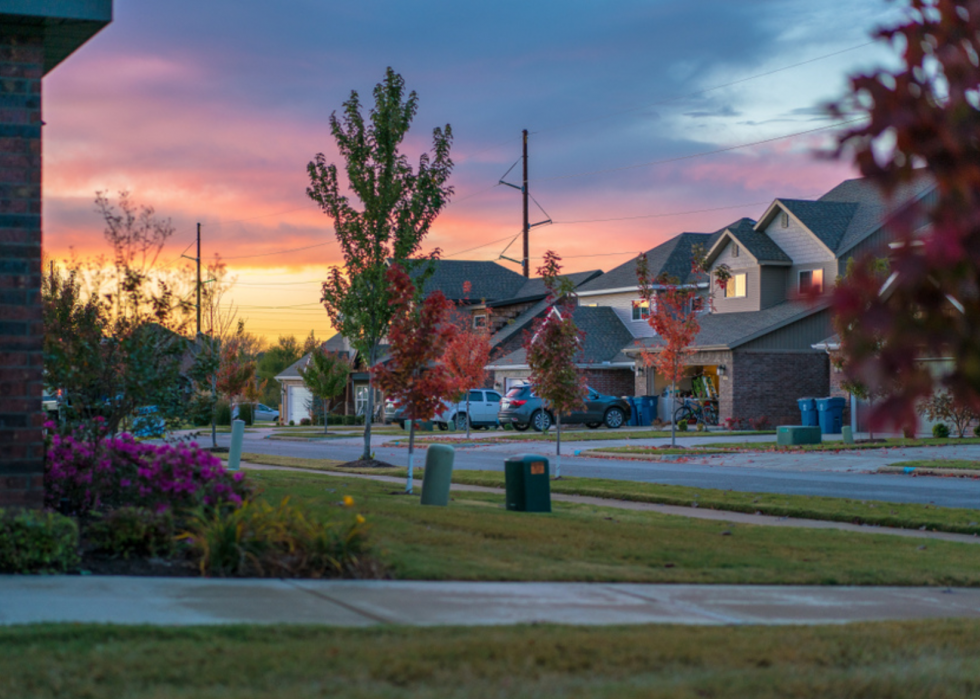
column 21, row 445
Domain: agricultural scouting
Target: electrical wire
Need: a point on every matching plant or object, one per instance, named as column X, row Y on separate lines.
column 698, row 155
column 275, row 252
column 672, row 213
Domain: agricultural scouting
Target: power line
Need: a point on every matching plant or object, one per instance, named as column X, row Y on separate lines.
column 698, row 155
column 275, row 252
column 673, row 213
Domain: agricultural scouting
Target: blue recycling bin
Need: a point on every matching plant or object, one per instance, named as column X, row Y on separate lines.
column 648, row 410
column 634, row 404
column 808, row 412
column 830, row 412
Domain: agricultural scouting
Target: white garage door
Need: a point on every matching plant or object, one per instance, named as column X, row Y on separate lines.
column 300, row 400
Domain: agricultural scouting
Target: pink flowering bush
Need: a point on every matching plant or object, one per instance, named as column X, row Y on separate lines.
column 86, row 470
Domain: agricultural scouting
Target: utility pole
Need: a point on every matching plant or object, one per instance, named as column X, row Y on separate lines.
column 198, row 280
column 526, row 261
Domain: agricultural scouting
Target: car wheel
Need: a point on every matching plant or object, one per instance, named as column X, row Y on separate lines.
column 615, row 418
column 540, row 421
column 520, row 427
column 593, row 425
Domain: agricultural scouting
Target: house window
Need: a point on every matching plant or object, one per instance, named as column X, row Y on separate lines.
column 734, row 250
column 811, row 281
column 784, row 220
column 360, row 399
column 479, row 321
column 735, row 288
column 697, row 304
column 641, row 310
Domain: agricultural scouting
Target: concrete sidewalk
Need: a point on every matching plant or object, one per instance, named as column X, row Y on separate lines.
column 194, row 601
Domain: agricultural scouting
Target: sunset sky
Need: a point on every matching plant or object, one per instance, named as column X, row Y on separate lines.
column 210, row 111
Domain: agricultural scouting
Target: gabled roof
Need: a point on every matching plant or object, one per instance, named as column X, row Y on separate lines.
column 759, row 245
column 334, row 344
column 730, row 330
column 828, row 220
column 488, row 280
column 672, row 257
column 604, row 337
column 534, row 289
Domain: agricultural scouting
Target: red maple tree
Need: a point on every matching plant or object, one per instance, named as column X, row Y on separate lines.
column 419, row 334
column 236, row 371
column 924, row 113
column 673, row 316
column 552, row 347
column 467, row 355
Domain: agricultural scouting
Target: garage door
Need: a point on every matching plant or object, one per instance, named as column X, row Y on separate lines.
column 300, row 400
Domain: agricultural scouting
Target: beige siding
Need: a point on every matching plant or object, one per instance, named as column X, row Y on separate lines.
column 797, row 242
column 830, row 270
column 743, row 264
column 622, row 305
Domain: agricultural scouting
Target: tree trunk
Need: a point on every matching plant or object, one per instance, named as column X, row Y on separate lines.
column 558, row 446
column 369, row 408
column 324, row 415
column 673, row 413
column 411, row 454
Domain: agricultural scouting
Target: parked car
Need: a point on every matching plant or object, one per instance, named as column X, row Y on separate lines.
column 147, row 423
column 522, row 409
column 483, row 408
column 264, row 412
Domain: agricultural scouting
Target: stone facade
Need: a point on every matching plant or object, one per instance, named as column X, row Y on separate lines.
column 21, row 330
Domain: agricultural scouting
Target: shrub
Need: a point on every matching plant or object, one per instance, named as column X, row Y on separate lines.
column 37, row 542
column 700, row 427
column 732, row 424
column 976, row 431
column 943, row 406
column 940, row 431
column 84, row 471
column 222, row 413
column 245, row 413
column 260, row 540
column 198, row 411
column 682, row 426
column 292, row 424
column 304, row 422
column 133, row 531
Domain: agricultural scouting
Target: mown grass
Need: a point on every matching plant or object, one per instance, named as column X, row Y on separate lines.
column 581, row 435
column 837, row 445
column 956, row 464
column 937, row 659
column 870, row 512
column 475, row 538
column 657, row 451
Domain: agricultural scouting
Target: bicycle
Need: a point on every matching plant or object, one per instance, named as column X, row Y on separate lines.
column 695, row 411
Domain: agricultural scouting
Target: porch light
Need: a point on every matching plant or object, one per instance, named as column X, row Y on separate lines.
column 722, row 370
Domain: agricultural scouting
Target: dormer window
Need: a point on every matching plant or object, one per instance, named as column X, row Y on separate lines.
column 784, row 219
column 811, row 281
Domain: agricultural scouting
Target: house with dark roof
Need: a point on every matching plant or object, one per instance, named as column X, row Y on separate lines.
column 486, row 291
column 771, row 281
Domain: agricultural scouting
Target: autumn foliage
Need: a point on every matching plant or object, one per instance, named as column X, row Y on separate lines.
column 929, row 109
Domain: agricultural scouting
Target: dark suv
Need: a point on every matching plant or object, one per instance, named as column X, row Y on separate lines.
column 522, row 409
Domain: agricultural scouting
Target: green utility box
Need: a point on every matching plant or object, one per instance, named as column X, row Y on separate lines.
column 528, row 480
column 438, row 474
column 791, row 435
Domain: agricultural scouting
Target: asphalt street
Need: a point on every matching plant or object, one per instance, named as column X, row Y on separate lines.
column 843, row 474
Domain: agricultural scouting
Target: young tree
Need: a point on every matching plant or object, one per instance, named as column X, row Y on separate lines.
column 273, row 361
column 236, row 371
column 552, row 346
column 467, row 356
column 419, row 335
column 924, row 113
column 944, row 407
column 326, row 377
column 399, row 206
column 674, row 319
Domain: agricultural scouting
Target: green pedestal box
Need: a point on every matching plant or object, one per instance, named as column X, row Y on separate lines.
column 528, row 479
column 438, row 474
column 791, row 435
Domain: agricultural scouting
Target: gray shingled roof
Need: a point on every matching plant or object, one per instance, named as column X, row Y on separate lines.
column 873, row 207
column 759, row 245
column 828, row 220
column 534, row 288
column 605, row 337
column 729, row 330
column 334, row 344
column 489, row 281
column 672, row 257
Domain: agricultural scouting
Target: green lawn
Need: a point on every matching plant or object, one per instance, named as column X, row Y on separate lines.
column 475, row 538
column 956, row 464
column 904, row 515
column 939, row 659
column 578, row 435
column 657, row 451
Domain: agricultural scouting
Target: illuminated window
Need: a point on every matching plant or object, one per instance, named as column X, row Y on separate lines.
column 811, row 281
column 735, row 288
column 641, row 310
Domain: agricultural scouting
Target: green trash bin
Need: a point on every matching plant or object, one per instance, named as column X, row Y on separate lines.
column 438, row 474
column 528, row 481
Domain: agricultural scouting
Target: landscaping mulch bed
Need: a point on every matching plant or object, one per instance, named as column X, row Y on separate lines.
column 96, row 564
column 366, row 463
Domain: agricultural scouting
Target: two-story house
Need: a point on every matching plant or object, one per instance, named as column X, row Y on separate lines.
column 773, row 307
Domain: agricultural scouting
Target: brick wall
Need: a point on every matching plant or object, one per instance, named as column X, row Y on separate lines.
column 769, row 383
column 21, row 445
column 611, row 382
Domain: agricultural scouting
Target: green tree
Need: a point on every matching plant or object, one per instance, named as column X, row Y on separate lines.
column 273, row 361
column 326, row 376
column 398, row 203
